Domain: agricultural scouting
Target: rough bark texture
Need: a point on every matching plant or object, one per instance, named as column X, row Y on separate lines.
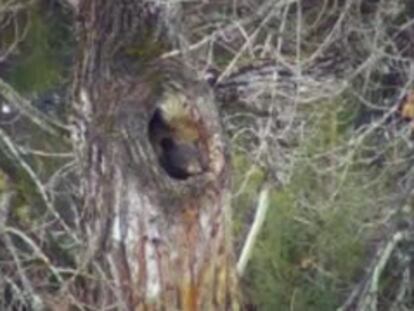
column 154, row 241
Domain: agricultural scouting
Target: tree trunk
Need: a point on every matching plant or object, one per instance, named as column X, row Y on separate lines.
column 157, row 234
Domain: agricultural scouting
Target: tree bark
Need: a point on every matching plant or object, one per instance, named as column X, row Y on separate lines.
column 154, row 241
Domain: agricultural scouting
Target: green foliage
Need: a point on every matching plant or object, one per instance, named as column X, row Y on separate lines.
column 308, row 253
column 312, row 246
column 40, row 64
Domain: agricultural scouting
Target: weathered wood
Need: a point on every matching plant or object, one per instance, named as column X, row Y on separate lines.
column 153, row 240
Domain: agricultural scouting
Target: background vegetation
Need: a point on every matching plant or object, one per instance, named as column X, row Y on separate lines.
column 322, row 119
